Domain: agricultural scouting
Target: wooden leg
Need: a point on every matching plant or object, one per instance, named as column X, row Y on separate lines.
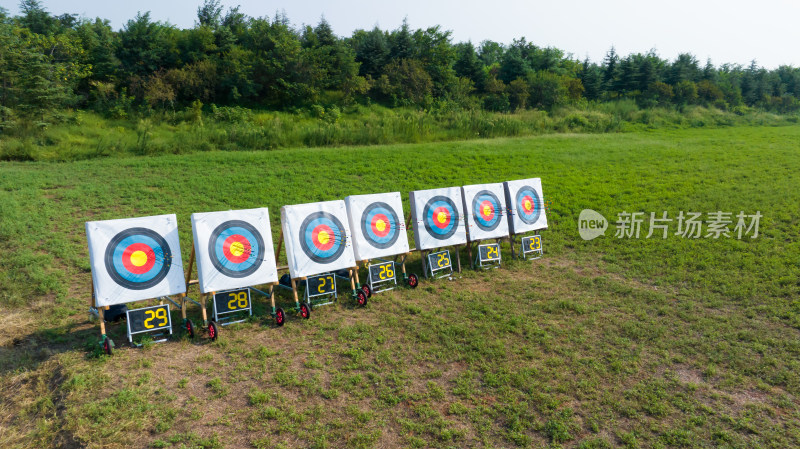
column 272, row 297
column 278, row 251
column 183, row 306
column 469, row 254
column 511, row 243
column 458, row 259
column 102, row 320
column 355, row 271
column 353, row 277
column 424, row 265
column 294, row 291
column 203, row 308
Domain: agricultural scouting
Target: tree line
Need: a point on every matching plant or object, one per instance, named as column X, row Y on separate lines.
column 50, row 62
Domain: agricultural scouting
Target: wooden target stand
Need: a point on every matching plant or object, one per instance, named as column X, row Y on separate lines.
column 435, row 267
column 324, row 285
column 212, row 327
column 145, row 320
column 382, row 274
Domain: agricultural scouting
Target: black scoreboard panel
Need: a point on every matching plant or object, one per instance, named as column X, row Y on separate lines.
column 532, row 243
column 232, row 300
column 149, row 319
column 321, row 284
column 489, row 252
column 440, row 260
column 381, row 272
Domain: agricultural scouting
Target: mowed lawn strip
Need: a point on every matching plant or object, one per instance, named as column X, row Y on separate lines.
column 614, row 342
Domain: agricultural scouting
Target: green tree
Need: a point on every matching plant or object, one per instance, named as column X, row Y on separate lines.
column 146, row 46
column 468, row 64
column 209, row 14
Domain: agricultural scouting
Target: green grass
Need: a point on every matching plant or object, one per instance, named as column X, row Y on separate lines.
column 607, row 343
column 85, row 135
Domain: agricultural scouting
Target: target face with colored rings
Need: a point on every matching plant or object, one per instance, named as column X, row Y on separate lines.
column 487, row 210
column 138, row 258
column 236, row 248
column 379, row 224
column 322, row 237
column 440, row 217
column 529, row 205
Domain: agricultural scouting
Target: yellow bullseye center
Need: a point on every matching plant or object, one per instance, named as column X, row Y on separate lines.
column 442, row 217
column 528, row 205
column 487, row 210
column 381, row 225
column 323, row 237
column 237, row 248
column 138, row 258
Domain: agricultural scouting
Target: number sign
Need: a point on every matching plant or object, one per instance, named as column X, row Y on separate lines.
column 321, row 285
column 149, row 319
column 489, row 252
column 381, row 272
column 232, row 300
column 439, row 261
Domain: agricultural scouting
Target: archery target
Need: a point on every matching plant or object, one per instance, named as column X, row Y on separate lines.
column 484, row 205
column 317, row 238
column 438, row 218
column 233, row 249
column 525, row 203
column 379, row 229
column 135, row 259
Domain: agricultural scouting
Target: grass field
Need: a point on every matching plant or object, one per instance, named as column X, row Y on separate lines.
column 608, row 343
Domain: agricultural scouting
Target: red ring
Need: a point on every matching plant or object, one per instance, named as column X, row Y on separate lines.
column 533, row 204
column 483, row 206
column 374, row 226
column 226, row 248
column 436, row 212
column 132, row 248
column 315, row 237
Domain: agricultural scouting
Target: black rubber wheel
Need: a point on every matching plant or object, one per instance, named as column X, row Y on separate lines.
column 190, row 328
column 305, row 310
column 213, row 331
column 361, row 298
column 412, row 280
column 280, row 317
column 108, row 346
column 367, row 290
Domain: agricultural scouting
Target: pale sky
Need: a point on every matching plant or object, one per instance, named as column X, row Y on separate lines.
column 734, row 31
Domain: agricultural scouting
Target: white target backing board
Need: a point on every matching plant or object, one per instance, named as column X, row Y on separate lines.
column 438, row 217
column 317, row 238
column 135, row 259
column 233, row 249
column 379, row 229
column 485, row 209
column 525, row 204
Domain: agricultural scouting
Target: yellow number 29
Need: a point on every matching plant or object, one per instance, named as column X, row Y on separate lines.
column 160, row 313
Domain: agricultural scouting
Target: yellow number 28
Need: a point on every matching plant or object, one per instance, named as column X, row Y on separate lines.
column 238, row 299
